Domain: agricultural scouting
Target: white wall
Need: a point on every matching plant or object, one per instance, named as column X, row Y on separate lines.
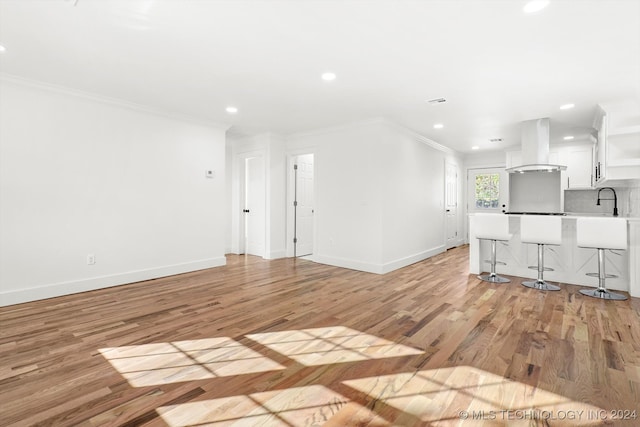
column 276, row 197
column 379, row 195
column 229, row 196
column 347, row 197
column 485, row 159
column 413, row 199
column 80, row 175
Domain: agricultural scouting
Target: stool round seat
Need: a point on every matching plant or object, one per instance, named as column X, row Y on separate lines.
column 541, row 230
column 493, row 227
column 602, row 234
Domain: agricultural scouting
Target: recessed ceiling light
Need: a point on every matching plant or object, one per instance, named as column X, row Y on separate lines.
column 438, row 126
column 475, row 147
column 567, row 106
column 535, row 6
column 328, row 76
column 231, row 110
column 568, row 138
column 2, row 48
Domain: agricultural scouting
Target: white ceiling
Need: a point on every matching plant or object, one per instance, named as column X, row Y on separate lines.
column 495, row 65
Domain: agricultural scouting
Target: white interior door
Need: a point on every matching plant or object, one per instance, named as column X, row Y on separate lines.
column 451, row 204
column 254, row 206
column 304, row 205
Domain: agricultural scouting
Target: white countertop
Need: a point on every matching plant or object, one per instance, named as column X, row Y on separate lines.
column 574, row 215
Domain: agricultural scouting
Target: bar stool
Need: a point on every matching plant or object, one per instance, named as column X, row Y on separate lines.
column 494, row 227
column 601, row 234
column 541, row 230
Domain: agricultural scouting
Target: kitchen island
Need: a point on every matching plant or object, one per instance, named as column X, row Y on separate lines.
column 570, row 263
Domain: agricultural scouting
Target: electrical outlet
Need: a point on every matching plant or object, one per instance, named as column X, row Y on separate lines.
column 91, row 259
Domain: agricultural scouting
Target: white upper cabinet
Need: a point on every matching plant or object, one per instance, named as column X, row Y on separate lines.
column 618, row 146
column 579, row 161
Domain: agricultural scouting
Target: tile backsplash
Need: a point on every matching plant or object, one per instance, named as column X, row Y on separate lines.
column 535, row 192
column 584, row 201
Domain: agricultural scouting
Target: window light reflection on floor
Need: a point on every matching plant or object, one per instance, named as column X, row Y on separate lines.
column 439, row 396
column 170, row 362
column 336, row 344
column 299, row 406
column 436, row 396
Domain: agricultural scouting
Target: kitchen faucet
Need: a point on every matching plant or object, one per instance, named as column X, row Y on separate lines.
column 615, row 199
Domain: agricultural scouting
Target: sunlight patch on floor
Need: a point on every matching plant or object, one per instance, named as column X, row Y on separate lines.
column 164, row 363
column 336, row 344
column 444, row 396
column 299, row 406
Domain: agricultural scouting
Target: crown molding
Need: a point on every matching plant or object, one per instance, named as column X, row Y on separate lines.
column 21, row 81
column 376, row 120
column 421, row 138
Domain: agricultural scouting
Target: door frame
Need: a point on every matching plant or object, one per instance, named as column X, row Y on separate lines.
column 465, row 191
column 291, row 159
column 237, row 213
column 261, row 224
column 458, row 189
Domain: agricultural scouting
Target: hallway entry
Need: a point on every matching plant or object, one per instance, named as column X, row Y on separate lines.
column 451, row 205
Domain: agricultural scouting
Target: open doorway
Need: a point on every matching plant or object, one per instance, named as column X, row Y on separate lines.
column 302, row 224
column 451, row 205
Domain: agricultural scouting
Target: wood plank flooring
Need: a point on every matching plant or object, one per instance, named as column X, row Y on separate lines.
column 294, row 343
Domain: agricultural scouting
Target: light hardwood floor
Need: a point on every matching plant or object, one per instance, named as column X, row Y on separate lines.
column 293, row 343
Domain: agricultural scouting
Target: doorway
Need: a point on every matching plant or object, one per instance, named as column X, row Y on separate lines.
column 451, row 205
column 254, row 206
column 303, row 204
column 487, row 191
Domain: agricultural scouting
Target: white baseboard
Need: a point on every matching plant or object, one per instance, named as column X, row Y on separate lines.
column 459, row 242
column 412, row 259
column 276, row 254
column 378, row 268
column 348, row 263
column 66, row 288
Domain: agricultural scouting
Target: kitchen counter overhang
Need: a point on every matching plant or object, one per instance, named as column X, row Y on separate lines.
column 570, row 263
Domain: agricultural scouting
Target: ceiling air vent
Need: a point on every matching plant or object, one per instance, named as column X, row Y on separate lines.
column 495, row 140
column 435, row 101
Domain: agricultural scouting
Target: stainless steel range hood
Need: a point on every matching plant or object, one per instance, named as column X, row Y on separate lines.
column 535, row 148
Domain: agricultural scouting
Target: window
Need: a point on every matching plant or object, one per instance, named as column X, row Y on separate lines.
column 487, row 191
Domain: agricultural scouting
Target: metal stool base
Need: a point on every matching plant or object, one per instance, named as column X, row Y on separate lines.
column 602, row 294
column 493, row 278
column 601, row 291
column 541, row 285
